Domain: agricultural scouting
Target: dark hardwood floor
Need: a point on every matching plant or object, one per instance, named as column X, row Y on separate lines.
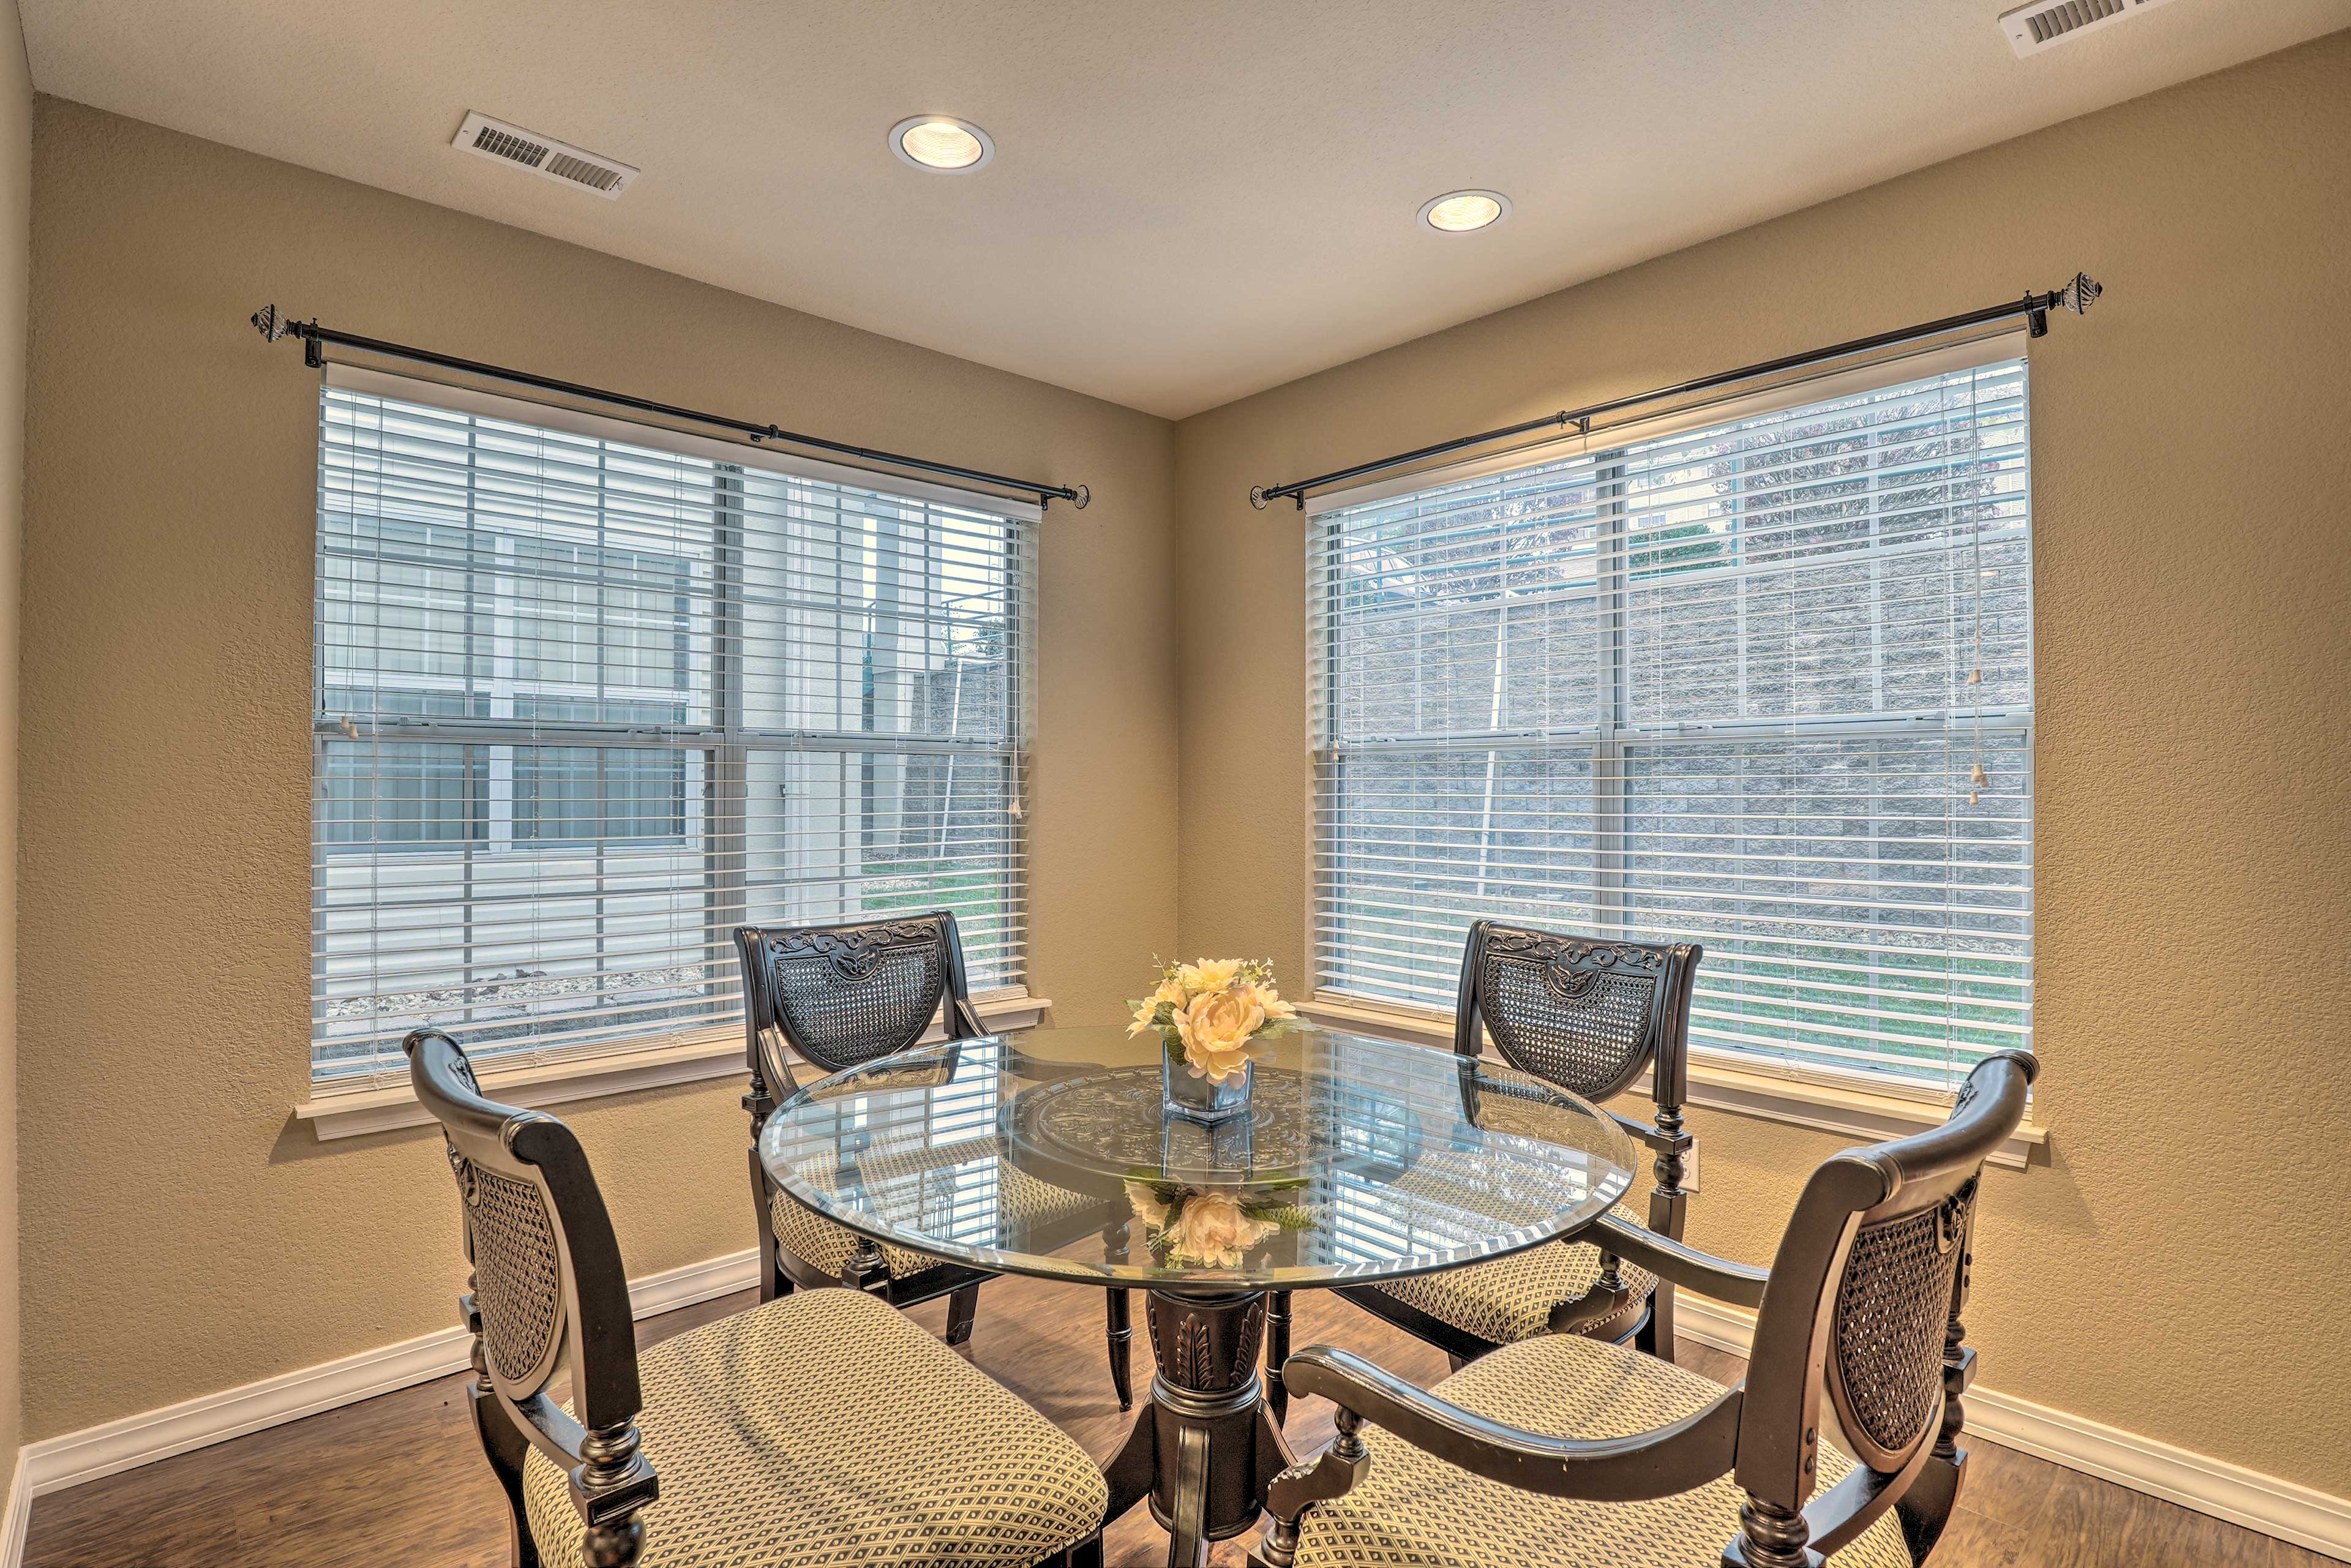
column 399, row 1478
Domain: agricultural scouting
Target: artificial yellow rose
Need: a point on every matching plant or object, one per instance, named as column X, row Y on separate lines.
column 1269, row 1002
column 1144, row 1201
column 1212, row 1231
column 1209, row 975
column 1215, row 1028
column 1146, row 1012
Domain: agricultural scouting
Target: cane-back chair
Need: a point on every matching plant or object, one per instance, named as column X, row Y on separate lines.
column 1588, row 1015
column 1503, row 1462
column 839, row 997
column 823, row 1429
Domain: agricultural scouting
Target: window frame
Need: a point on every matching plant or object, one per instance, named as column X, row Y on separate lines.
column 1853, row 1100
column 710, row 753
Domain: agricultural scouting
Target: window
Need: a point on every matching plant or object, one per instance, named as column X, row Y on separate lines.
column 589, row 695
column 1726, row 678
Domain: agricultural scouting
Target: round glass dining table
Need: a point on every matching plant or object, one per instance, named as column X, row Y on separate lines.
column 1051, row 1153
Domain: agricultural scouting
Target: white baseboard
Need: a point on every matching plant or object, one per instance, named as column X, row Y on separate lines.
column 19, row 1515
column 55, row 1463
column 2299, row 1514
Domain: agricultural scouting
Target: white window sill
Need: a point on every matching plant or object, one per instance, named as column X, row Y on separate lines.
column 689, row 1058
column 1856, row 1112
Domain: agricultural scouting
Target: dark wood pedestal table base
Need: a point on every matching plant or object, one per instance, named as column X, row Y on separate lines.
column 1051, row 1154
column 1208, row 1443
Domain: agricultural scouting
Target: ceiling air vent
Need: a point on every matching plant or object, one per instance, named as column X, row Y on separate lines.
column 2033, row 28
column 543, row 155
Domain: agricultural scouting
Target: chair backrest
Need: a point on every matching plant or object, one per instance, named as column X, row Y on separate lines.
column 1588, row 1014
column 842, row 995
column 549, row 1286
column 1865, row 1293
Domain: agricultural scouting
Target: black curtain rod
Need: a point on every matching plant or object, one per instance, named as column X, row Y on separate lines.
column 315, row 338
column 2076, row 296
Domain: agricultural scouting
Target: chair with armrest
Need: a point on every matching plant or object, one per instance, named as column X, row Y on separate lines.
column 1588, row 1015
column 839, row 997
column 1502, row 1461
column 822, row 1429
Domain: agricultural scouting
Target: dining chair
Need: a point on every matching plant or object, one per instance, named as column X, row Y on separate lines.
column 822, row 1429
column 839, row 997
column 1565, row 1448
column 1588, row 1015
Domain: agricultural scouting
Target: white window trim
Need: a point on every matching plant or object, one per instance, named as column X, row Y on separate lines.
column 655, row 1062
column 1715, row 1085
column 648, row 1061
column 1806, row 1101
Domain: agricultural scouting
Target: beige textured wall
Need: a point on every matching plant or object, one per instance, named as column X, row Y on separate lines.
column 182, row 1234
column 2179, row 1269
column 15, row 256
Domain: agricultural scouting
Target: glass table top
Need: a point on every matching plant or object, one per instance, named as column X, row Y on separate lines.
column 1049, row 1153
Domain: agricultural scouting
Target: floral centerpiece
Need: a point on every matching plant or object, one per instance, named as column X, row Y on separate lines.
column 1213, row 1228
column 1208, row 1015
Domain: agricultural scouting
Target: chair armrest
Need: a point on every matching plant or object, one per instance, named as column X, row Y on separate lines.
column 1660, row 1462
column 1678, row 1261
column 1647, row 1133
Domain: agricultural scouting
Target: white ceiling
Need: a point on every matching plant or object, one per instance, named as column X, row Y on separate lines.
column 1189, row 201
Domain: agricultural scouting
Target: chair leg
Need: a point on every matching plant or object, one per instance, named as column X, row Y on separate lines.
column 1277, row 1351
column 773, row 1280
column 962, row 1308
column 1655, row 1334
column 1121, row 1348
column 506, row 1449
column 1455, row 1363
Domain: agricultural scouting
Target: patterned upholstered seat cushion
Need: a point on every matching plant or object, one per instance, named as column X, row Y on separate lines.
column 827, row 1428
column 1510, row 1298
column 1414, row 1511
column 827, row 1245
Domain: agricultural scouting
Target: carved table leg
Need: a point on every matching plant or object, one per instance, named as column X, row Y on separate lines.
column 1277, row 1351
column 1121, row 1332
column 1204, row 1439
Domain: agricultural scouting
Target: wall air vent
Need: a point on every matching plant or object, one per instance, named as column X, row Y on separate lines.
column 2034, row 28
column 543, row 155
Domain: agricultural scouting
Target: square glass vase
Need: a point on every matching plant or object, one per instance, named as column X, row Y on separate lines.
column 1200, row 1099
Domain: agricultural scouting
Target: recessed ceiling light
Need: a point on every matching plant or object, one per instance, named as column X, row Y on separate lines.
column 942, row 143
column 1461, row 212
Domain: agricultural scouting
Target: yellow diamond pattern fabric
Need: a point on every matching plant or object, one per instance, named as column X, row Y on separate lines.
column 1510, row 1298
column 827, row 1246
column 825, row 1428
column 1414, row 1511
column 894, row 1188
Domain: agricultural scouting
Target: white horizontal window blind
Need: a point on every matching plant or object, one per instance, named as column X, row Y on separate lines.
column 1730, row 684
column 584, row 707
